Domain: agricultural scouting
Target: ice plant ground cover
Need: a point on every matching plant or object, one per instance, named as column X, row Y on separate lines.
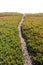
column 32, row 30
column 10, row 46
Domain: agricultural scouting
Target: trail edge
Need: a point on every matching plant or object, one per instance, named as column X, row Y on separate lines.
column 27, row 59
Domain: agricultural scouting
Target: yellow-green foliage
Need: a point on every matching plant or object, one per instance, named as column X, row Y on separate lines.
column 10, row 47
column 33, row 33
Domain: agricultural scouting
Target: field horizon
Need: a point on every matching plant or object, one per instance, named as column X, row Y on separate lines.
column 10, row 43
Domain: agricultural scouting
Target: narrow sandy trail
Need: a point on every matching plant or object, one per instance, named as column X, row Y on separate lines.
column 27, row 60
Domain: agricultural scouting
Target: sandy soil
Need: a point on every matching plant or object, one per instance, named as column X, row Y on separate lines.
column 27, row 58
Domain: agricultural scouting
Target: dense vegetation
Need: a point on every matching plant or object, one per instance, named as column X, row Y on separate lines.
column 32, row 29
column 10, row 47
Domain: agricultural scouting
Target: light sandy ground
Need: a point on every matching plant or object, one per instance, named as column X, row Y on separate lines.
column 23, row 45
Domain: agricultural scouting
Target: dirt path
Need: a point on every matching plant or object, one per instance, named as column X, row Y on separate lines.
column 23, row 45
